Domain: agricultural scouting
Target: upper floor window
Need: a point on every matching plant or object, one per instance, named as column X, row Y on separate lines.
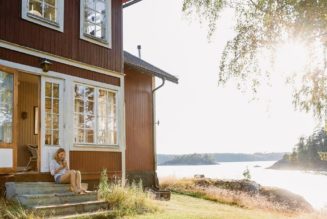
column 49, row 13
column 96, row 21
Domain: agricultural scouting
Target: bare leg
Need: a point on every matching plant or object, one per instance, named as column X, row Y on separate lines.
column 73, row 181
column 78, row 181
column 69, row 177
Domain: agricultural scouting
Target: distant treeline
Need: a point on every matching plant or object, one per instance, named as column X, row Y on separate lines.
column 212, row 158
column 305, row 154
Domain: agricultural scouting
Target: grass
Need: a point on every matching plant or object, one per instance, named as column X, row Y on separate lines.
column 12, row 210
column 126, row 200
column 186, row 207
column 206, row 190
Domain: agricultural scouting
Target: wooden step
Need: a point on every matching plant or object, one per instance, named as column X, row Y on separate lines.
column 32, row 200
column 71, row 208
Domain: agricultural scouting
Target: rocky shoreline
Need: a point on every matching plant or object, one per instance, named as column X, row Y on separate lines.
column 245, row 193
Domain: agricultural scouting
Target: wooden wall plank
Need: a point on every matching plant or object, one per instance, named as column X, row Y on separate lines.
column 139, row 123
column 28, row 98
column 94, row 161
column 58, row 67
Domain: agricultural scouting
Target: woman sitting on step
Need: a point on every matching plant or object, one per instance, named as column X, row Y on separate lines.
column 62, row 174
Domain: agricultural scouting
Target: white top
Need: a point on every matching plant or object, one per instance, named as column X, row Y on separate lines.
column 54, row 165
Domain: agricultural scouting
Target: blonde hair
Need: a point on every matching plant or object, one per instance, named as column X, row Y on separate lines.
column 58, row 152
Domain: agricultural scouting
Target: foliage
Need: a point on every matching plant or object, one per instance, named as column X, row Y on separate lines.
column 261, row 27
column 247, row 174
column 125, row 200
column 306, row 152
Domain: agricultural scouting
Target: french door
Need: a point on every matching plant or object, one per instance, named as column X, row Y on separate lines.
column 8, row 120
column 51, row 119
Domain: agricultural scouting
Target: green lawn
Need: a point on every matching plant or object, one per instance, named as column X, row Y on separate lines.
column 185, row 207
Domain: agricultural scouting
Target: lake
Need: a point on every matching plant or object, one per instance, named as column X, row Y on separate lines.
column 311, row 185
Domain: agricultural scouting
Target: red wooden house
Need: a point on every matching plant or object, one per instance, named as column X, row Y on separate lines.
column 65, row 81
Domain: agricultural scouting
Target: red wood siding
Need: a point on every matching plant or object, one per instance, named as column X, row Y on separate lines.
column 67, row 44
column 58, row 67
column 94, row 161
column 139, row 124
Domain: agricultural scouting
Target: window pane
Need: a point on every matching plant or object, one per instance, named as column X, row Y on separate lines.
column 89, row 122
column 89, row 93
column 6, row 107
column 50, row 2
column 48, row 137
column 90, row 16
column 48, row 104
column 100, row 6
column 56, row 90
column 80, row 136
column 48, row 89
column 89, row 3
column 80, row 120
column 35, row 8
column 89, row 28
column 89, row 136
column 50, row 13
column 79, row 91
column 55, row 137
column 89, row 108
column 102, row 123
column 55, row 121
column 79, row 106
column 48, row 121
column 55, row 106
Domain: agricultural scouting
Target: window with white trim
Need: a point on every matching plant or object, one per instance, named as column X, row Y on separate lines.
column 95, row 115
column 49, row 13
column 96, row 21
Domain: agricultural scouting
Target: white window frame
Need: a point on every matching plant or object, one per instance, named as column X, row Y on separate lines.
column 59, row 25
column 118, row 119
column 108, row 41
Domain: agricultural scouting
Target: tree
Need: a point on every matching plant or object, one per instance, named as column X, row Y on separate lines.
column 262, row 26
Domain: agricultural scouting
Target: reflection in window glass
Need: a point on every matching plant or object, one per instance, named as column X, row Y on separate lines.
column 46, row 9
column 6, row 107
column 95, row 118
column 95, row 14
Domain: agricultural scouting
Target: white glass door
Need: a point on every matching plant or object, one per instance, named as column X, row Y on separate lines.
column 51, row 119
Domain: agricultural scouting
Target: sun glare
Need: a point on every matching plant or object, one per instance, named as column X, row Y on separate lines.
column 291, row 58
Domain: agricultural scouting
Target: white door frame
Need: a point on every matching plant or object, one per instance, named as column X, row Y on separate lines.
column 47, row 151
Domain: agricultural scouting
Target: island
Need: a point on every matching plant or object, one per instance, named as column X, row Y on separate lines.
column 215, row 158
column 191, row 159
column 308, row 154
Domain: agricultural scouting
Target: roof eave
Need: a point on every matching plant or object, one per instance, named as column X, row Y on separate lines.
column 144, row 70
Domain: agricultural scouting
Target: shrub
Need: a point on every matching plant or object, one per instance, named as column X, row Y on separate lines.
column 125, row 200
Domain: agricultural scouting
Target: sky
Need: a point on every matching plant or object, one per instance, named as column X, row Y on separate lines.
column 197, row 115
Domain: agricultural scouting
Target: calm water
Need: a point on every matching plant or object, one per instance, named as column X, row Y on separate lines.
column 312, row 186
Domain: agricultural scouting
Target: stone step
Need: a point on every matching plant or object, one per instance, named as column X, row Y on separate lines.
column 32, row 200
column 14, row 189
column 96, row 214
column 71, row 209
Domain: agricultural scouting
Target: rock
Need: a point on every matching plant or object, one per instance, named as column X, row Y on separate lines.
column 247, row 186
column 286, row 199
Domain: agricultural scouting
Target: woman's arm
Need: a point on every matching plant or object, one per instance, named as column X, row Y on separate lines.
column 54, row 169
